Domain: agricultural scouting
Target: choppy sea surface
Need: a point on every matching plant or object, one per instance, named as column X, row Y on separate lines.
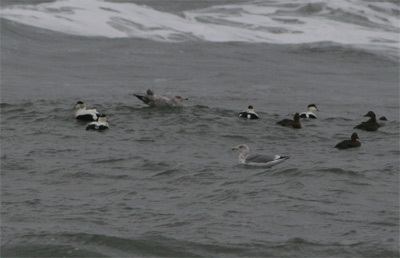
column 164, row 182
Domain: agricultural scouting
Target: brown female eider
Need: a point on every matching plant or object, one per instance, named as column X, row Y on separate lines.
column 370, row 125
column 349, row 143
column 295, row 123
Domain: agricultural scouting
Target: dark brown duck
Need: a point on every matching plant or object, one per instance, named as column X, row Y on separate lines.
column 295, row 123
column 346, row 144
column 370, row 125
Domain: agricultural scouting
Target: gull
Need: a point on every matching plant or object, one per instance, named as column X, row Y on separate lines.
column 257, row 159
column 160, row 101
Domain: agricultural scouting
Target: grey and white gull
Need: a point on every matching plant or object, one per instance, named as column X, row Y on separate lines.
column 258, row 159
column 154, row 100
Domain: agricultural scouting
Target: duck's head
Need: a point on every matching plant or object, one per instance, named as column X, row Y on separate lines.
column 370, row 114
column 312, row 107
column 102, row 118
column 354, row 136
column 80, row 104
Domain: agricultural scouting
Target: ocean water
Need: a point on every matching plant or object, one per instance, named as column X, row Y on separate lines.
column 164, row 182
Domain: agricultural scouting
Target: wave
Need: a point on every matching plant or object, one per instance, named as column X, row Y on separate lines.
column 352, row 22
column 154, row 244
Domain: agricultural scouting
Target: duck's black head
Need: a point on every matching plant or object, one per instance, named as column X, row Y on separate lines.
column 312, row 107
column 370, row 114
column 354, row 136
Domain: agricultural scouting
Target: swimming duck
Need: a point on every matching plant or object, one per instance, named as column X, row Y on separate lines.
column 101, row 124
column 249, row 113
column 159, row 101
column 309, row 112
column 349, row 143
column 85, row 114
column 295, row 123
column 258, row 159
column 370, row 125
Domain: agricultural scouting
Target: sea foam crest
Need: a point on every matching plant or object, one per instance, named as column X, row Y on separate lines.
column 354, row 22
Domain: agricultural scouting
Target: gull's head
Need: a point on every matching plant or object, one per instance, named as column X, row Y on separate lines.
column 312, row 107
column 80, row 105
column 102, row 118
column 243, row 148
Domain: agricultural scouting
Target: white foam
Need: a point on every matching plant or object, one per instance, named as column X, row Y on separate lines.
column 282, row 22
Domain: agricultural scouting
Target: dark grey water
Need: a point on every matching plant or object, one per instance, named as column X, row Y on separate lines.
column 165, row 182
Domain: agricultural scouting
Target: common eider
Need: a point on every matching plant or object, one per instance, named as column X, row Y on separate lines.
column 257, row 159
column 85, row 114
column 101, row 124
column 346, row 144
column 309, row 112
column 249, row 113
column 295, row 123
column 159, row 101
column 370, row 125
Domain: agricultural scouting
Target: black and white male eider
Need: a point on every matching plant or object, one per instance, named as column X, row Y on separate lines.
column 249, row 113
column 352, row 143
column 160, row 101
column 101, row 124
column 371, row 124
column 258, row 159
column 309, row 112
column 85, row 114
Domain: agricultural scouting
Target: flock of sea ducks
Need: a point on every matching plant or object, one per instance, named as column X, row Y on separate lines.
column 99, row 122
